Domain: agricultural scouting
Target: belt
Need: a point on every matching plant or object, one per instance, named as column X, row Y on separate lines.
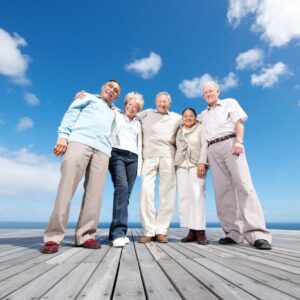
column 223, row 138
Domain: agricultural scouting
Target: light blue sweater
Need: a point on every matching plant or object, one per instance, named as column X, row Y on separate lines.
column 88, row 121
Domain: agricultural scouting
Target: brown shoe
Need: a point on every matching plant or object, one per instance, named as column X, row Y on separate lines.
column 201, row 238
column 191, row 237
column 50, row 247
column 161, row 238
column 91, row 244
column 145, row 239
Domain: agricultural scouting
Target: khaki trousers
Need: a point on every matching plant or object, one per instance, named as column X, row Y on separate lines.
column 191, row 199
column 238, row 206
column 157, row 222
column 78, row 160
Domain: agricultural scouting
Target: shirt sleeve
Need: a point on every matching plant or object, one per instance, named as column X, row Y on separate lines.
column 236, row 112
column 71, row 116
column 141, row 115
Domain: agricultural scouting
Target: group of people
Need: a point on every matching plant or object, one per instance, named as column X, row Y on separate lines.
column 95, row 136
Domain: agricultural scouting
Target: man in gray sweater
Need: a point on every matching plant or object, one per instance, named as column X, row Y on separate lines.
column 159, row 134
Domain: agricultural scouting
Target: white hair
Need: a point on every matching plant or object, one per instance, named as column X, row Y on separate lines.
column 211, row 83
column 136, row 97
column 163, row 93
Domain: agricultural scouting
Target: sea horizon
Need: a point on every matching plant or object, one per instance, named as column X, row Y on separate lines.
column 72, row 225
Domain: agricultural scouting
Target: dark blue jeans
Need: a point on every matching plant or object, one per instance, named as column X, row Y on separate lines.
column 123, row 169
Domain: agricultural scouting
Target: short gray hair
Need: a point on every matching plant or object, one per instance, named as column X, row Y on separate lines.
column 163, row 93
column 137, row 97
column 211, row 83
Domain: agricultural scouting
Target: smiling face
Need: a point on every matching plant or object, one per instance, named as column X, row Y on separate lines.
column 110, row 91
column 211, row 94
column 189, row 118
column 131, row 108
column 163, row 103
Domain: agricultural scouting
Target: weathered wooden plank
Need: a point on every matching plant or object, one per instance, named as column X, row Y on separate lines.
column 250, row 285
column 157, row 284
column 129, row 268
column 266, row 279
column 186, row 284
column 223, row 288
column 39, row 286
column 268, row 262
column 100, row 284
column 70, row 285
column 11, row 270
column 11, row 284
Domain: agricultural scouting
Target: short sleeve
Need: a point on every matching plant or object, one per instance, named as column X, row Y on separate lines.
column 236, row 112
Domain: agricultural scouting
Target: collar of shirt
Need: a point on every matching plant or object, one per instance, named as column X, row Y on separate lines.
column 219, row 103
column 167, row 113
column 127, row 119
column 108, row 104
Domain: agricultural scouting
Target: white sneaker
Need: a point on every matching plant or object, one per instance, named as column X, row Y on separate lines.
column 119, row 242
column 127, row 241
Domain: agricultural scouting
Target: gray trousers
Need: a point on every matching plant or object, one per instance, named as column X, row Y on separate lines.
column 78, row 160
column 238, row 207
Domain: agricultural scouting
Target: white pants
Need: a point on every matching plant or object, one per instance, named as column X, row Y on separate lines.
column 191, row 199
column 238, row 206
column 157, row 222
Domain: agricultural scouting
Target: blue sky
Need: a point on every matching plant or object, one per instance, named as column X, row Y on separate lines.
column 50, row 50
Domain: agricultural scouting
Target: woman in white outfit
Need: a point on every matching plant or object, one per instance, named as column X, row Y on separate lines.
column 191, row 165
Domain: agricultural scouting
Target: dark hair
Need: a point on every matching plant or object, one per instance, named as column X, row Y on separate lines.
column 191, row 109
column 116, row 81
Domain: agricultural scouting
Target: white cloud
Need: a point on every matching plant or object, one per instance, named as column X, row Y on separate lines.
column 24, row 123
column 250, row 59
column 23, row 173
column 146, row 67
column 193, row 88
column 299, row 103
column 270, row 76
column 31, row 99
column 228, row 82
column 239, row 9
column 12, row 62
column 297, row 86
column 277, row 21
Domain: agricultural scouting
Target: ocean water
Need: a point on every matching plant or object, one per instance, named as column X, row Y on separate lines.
column 42, row 225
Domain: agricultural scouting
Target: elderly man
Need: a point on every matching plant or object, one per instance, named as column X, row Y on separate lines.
column 238, row 206
column 159, row 134
column 84, row 140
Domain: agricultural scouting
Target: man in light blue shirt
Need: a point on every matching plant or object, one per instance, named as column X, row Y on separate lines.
column 84, row 140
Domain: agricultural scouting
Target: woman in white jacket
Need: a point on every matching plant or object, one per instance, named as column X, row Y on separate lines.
column 125, row 163
column 191, row 165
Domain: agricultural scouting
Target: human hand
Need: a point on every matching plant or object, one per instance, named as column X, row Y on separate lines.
column 80, row 95
column 237, row 148
column 60, row 147
column 113, row 107
column 201, row 170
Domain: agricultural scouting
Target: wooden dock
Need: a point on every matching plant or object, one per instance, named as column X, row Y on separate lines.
column 152, row 271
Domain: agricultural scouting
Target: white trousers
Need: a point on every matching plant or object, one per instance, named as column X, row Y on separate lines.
column 238, row 206
column 157, row 222
column 191, row 199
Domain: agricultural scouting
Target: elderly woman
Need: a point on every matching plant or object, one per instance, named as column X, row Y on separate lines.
column 191, row 163
column 125, row 163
